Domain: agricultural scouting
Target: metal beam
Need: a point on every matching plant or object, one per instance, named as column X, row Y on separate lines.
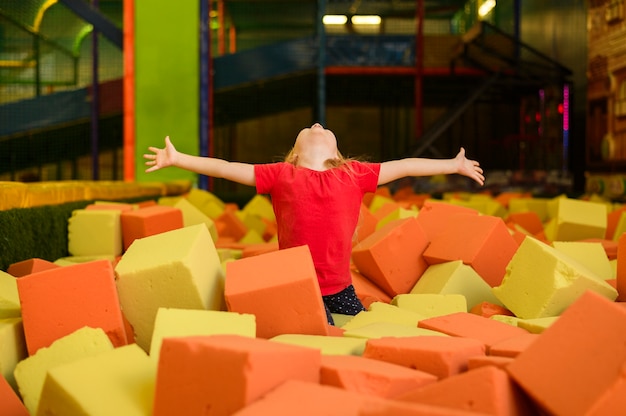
column 100, row 22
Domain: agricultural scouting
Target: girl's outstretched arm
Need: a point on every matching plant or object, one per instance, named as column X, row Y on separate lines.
column 413, row 166
column 218, row 168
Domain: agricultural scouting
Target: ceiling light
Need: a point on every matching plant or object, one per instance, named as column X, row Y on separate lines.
column 486, row 7
column 366, row 20
column 334, row 19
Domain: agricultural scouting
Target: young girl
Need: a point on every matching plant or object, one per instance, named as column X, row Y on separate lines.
column 316, row 194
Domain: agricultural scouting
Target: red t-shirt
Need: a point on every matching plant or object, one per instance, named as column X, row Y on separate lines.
column 319, row 209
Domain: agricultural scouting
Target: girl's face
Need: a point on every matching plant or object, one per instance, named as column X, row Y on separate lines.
column 316, row 141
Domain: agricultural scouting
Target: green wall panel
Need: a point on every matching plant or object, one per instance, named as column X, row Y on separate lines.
column 166, row 81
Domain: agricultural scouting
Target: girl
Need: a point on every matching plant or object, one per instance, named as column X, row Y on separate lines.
column 316, row 194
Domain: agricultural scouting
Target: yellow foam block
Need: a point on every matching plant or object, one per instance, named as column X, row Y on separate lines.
column 577, row 220
column 431, row 304
column 116, row 382
column 252, row 237
column 506, row 319
column 170, row 201
column 620, row 228
column 251, row 221
column 540, row 281
column 537, row 325
column 397, row 214
column 30, row 373
column 70, row 260
column 536, row 205
column 207, row 202
column 341, row 319
column 175, row 269
column 383, row 312
column 592, row 255
column 172, row 322
column 327, row 345
column 12, row 347
column 378, row 201
column 260, row 206
column 193, row 216
column 454, row 277
column 9, row 298
column 490, row 205
column 377, row 330
column 94, row 232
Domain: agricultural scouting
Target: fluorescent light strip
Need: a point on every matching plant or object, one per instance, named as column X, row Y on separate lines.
column 486, row 7
column 366, row 20
column 335, row 19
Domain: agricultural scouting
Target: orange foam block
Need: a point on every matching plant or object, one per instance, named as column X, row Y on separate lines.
column 59, row 301
column 488, row 309
column 152, row 220
column 391, row 257
column 10, row 403
column 620, row 273
column 528, row 220
column 367, row 291
column 34, row 265
column 295, row 397
column 230, row 226
column 481, row 241
column 366, row 225
column 485, row 360
column 576, row 366
column 281, row 289
column 487, row 390
column 512, row 347
column 224, row 373
column 373, row 377
column 469, row 325
column 437, row 355
column 434, row 216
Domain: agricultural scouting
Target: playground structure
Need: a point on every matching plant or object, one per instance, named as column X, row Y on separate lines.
column 433, row 79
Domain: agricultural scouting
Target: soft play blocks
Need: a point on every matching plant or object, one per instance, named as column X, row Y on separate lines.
column 429, row 305
column 30, row 373
column 175, row 269
column 440, row 356
column 576, row 366
column 173, row 322
column 481, row 241
column 281, row 289
column 540, row 281
column 93, row 232
column 455, row 278
column 327, row 345
column 469, row 325
column 84, row 295
column 34, row 265
column 9, row 297
column 372, row 377
column 487, row 390
column 224, row 373
column 10, row 403
column 434, row 215
column 576, row 219
column 12, row 348
column 116, row 382
column 145, row 222
column 391, row 257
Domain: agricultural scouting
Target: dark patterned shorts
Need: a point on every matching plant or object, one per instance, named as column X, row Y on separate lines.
column 345, row 302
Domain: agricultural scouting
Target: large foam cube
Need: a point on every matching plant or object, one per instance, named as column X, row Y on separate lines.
column 148, row 221
column 391, row 257
column 173, row 322
column 12, row 348
column 372, row 377
column 224, row 373
column 281, row 289
column 577, row 219
column 481, row 241
column 116, row 382
column 92, row 232
column 434, row 216
column 175, row 269
column 440, row 356
column 30, row 373
column 540, row 281
column 84, row 295
column 455, row 278
column 590, row 254
column 9, row 297
column 577, row 365
column 193, row 216
column 487, row 390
